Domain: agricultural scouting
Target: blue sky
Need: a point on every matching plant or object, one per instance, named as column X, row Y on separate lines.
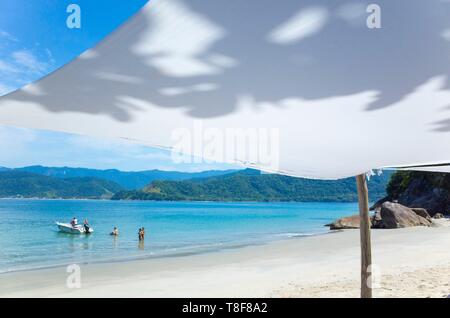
column 24, row 147
column 34, row 41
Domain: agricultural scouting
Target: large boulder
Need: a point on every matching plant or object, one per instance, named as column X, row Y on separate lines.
column 377, row 205
column 395, row 215
column 348, row 222
column 422, row 212
column 377, row 222
column 427, row 190
column 438, row 216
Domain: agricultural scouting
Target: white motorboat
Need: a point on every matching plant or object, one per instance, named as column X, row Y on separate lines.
column 73, row 229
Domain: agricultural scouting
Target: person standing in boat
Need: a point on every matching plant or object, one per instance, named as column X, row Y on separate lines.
column 74, row 222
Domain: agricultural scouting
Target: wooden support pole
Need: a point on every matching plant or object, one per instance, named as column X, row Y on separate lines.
column 366, row 247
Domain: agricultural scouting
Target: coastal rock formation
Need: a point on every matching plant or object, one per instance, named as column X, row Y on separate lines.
column 348, row 222
column 395, row 215
column 427, row 190
column 422, row 212
column 438, row 216
column 377, row 205
column 352, row 222
column 389, row 216
column 376, row 220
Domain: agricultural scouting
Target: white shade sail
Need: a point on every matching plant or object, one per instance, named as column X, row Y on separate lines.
column 307, row 86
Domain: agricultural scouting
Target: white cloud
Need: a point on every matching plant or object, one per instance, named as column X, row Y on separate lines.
column 50, row 56
column 5, row 89
column 22, row 67
column 6, row 67
column 302, row 25
column 27, row 60
column 8, row 36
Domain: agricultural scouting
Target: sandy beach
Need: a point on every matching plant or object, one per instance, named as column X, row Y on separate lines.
column 410, row 262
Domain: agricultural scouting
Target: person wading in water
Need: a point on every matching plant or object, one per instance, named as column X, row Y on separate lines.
column 141, row 234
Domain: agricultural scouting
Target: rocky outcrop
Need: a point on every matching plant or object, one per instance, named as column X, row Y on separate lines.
column 428, row 190
column 438, row 216
column 422, row 212
column 395, row 215
column 377, row 205
column 414, row 198
column 376, row 220
column 352, row 222
column 348, row 222
column 389, row 216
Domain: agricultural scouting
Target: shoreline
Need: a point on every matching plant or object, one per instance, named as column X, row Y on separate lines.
column 413, row 263
column 183, row 201
column 236, row 246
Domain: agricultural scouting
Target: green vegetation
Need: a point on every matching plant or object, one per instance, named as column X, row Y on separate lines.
column 251, row 185
column 401, row 181
column 20, row 184
column 398, row 183
column 428, row 190
column 129, row 180
column 244, row 185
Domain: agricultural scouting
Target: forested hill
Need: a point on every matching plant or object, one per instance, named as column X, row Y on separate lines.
column 21, row 184
column 244, row 185
column 130, row 180
column 251, row 185
column 428, row 190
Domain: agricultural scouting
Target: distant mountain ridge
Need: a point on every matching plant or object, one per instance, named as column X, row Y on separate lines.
column 22, row 184
column 251, row 185
column 128, row 180
column 229, row 185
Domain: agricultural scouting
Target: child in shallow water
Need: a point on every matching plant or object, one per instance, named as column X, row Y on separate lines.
column 115, row 232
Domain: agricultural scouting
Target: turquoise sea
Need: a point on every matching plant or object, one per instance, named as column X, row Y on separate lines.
column 29, row 238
